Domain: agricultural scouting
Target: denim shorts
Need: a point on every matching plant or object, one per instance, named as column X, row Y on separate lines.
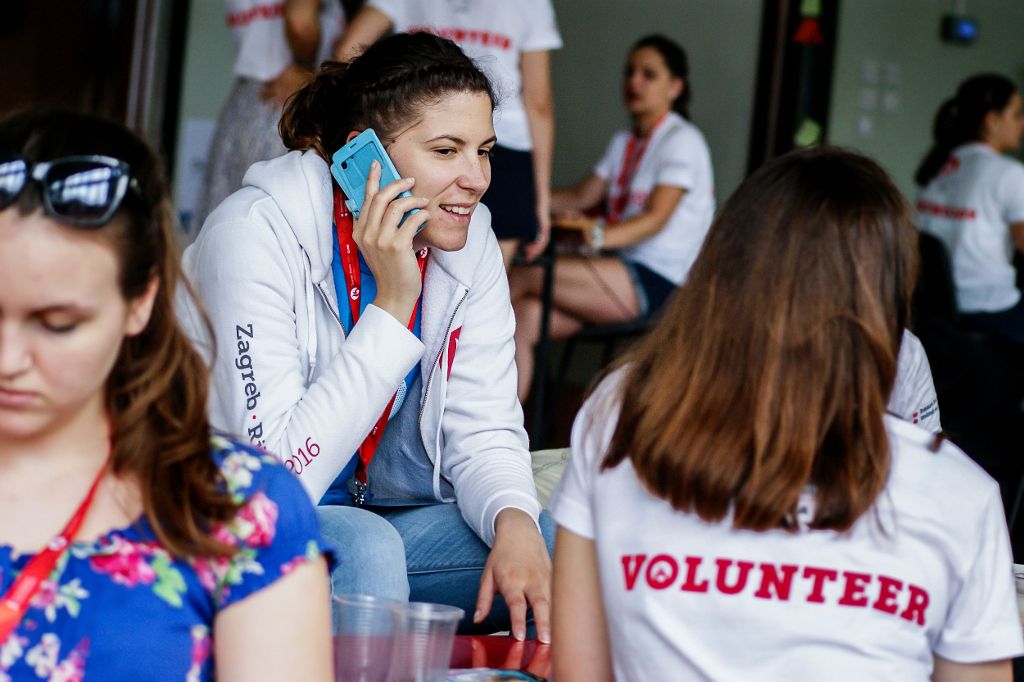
column 652, row 290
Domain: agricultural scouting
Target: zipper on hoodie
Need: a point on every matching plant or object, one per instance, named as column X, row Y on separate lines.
column 327, row 300
column 433, row 366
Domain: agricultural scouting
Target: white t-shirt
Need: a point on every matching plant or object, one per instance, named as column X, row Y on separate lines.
column 678, row 156
column 969, row 206
column 913, row 397
column 258, row 31
column 927, row 569
column 494, row 33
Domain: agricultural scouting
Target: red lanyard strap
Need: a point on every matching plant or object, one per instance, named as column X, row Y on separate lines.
column 634, row 154
column 350, row 265
column 15, row 602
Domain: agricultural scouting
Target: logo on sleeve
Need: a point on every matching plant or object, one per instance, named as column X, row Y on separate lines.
column 247, row 375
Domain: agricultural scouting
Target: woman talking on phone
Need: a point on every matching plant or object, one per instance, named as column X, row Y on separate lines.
column 375, row 356
column 182, row 557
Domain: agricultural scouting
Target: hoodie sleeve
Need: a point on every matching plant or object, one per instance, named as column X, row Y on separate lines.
column 486, row 453
column 252, row 285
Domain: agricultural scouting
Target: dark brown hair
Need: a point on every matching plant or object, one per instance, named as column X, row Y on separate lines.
column 961, row 118
column 385, row 88
column 773, row 364
column 156, row 393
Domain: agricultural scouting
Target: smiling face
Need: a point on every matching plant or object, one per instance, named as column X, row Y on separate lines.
column 649, row 87
column 62, row 321
column 447, row 150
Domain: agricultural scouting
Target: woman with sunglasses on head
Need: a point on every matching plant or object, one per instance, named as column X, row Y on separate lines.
column 656, row 185
column 132, row 544
column 375, row 356
column 972, row 198
column 772, row 522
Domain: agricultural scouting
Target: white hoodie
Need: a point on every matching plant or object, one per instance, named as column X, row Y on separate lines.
column 286, row 377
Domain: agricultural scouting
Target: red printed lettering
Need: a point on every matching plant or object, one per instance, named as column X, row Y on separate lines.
column 942, row 211
column 741, row 579
column 662, row 571
column 887, row 591
column 819, row 576
column 631, row 566
column 770, row 579
column 916, row 606
column 691, row 584
column 265, row 11
column 853, row 593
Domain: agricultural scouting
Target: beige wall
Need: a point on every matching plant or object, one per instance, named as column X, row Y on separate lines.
column 915, row 69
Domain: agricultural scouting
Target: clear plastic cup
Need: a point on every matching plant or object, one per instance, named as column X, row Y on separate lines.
column 365, row 630
column 423, row 647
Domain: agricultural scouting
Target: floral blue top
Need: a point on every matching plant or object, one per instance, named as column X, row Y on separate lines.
column 123, row 608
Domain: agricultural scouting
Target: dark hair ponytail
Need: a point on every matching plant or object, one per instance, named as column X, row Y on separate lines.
column 384, row 88
column 961, row 117
column 677, row 63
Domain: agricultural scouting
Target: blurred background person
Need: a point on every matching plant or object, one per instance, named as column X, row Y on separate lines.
column 279, row 44
column 972, row 199
column 655, row 189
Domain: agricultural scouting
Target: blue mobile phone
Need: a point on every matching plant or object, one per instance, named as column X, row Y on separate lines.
column 351, row 166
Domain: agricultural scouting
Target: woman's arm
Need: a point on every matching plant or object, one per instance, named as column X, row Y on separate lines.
column 302, row 29
column 582, row 649
column 282, row 632
column 540, row 113
column 582, row 197
column 662, row 203
column 366, row 28
column 1017, row 230
column 519, row 569
column 990, row 671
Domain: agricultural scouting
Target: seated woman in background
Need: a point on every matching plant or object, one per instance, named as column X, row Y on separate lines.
column 738, row 504
column 181, row 556
column 655, row 180
column 339, row 336
column 972, row 198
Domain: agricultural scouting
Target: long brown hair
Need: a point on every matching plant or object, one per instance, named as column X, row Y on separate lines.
column 156, row 393
column 773, row 364
column 384, row 88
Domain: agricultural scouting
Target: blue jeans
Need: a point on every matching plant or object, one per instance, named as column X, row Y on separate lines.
column 424, row 553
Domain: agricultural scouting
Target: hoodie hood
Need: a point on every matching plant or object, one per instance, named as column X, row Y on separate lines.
column 300, row 184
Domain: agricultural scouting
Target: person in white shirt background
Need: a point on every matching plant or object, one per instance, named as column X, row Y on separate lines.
column 278, row 44
column 739, row 506
column 972, row 199
column 411, row 337
column 655, row 180
column 511, row 42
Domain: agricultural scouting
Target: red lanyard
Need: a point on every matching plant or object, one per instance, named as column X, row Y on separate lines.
column 350, row 264
column 634, row 154
column 15, row 603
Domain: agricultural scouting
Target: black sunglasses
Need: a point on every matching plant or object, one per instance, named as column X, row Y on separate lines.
column 83, row 190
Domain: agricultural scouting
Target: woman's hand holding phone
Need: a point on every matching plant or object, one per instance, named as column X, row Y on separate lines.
column 387, row 249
